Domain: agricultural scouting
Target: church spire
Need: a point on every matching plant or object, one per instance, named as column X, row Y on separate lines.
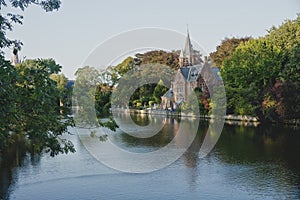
column 187, row 29
column 186, row 57
column 188, row 50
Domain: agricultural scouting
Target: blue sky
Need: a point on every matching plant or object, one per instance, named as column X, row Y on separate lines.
column 71, row 33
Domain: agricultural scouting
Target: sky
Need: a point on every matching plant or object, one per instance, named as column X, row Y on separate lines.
column 70, row 34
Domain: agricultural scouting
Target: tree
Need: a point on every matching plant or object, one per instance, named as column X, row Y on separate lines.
column 85, row 96
column 286, row 36
column 8, row 94
column 35, row 114
column 65, row 93
column 261, row 76
column 87, row 79
column 169, row 59
column 203, row 99
column 284, row 94
column 114, row 73
column 225, row 49
column 30, row 97
column 291, row 69
column 102, row 99
column 159, row 91
column 253, row 67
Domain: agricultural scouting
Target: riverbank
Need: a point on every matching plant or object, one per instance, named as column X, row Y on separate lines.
column 229, row 119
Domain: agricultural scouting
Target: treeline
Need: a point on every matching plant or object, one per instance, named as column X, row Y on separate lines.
column 34, row 106
column 262, row 76
column 146, row 95
column 34, row 100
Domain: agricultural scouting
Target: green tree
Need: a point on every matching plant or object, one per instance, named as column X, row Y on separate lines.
column 85, row 96
column 283, row 99
column 253, row 67
column 225, row 49
column 114, row 73
column 65, row 93
column 169, row 59
column 159, row 91
column 203, row 100
column 87, row 79
column 286, row 36
column 102, row 99
column 8, row 94
column 262, row 76
column 30, row 97
column 36, row 115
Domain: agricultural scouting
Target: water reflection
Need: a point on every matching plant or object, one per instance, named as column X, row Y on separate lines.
column 15, row 157
column 266, row 159
column 142, row 155
column 246, row 163
column 263, row 159
column 169, row 132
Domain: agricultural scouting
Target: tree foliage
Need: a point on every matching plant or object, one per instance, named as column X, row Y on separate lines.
column 8, row 93
column 30, row 107
column 159, row 91
column 262, row 74
column 65, row 92
column 89, row 94
column 34, row 112
column 102, row 99
column 225, row 49
column 169, row 59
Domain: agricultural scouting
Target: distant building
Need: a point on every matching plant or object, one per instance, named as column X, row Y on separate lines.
column 188, row 76
column 15, row 59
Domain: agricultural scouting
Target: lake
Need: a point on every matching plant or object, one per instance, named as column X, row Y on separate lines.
column 246, row 163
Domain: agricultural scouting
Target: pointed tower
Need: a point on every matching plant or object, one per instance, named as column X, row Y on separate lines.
column 186, row 57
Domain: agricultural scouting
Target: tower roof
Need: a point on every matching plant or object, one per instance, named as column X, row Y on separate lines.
column 188, row 49
column 181, row 54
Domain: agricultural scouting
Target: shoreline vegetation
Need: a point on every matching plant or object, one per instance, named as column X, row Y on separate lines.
column 261, row 78
column 244, row 120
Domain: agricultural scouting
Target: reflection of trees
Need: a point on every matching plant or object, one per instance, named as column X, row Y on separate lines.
column 141, row 120
column 191, row 156
column 250, row 144
column 13, row 157
column 268, row 155
column 167, row 134
column 161, row 139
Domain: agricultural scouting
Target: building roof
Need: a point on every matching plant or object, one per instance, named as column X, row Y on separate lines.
column 185, row 72
column 169, row 94
column 188, row 49
column 190, row 73
column 193, row 74
column 181, row 54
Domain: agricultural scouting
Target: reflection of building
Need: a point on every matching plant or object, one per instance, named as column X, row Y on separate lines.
column 191, row 74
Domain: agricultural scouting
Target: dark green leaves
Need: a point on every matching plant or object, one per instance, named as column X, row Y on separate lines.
column 30, row 106
column 262, row 74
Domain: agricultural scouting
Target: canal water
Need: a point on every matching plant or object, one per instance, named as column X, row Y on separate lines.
column 247, row 162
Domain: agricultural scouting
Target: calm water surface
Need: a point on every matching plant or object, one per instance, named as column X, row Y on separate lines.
column 247, row 163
